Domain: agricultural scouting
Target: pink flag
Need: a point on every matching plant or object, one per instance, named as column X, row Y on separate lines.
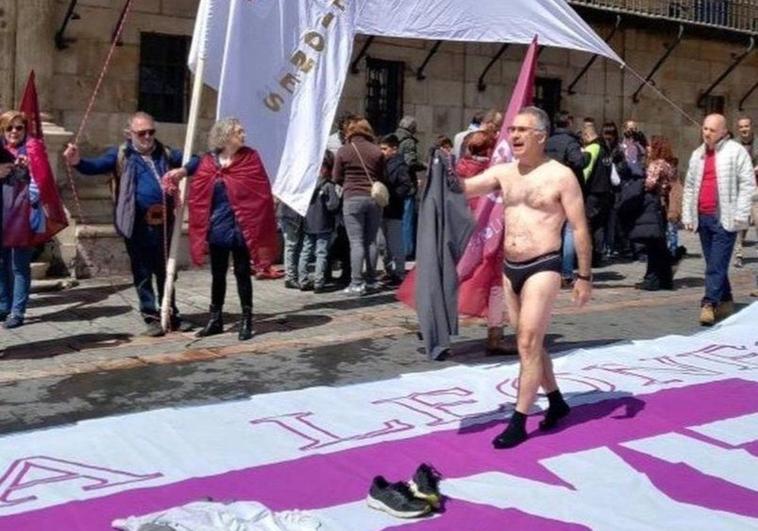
column 480, row 268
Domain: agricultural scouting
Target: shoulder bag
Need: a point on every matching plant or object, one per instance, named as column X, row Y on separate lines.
column 379, row 192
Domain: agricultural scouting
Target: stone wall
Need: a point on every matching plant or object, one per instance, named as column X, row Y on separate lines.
column 443, row 102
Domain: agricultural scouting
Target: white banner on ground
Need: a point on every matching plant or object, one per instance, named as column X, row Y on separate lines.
column 280, row 65
column 168, row 446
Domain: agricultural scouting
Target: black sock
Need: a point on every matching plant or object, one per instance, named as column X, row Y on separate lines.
column 557, row 409
column 514, row 434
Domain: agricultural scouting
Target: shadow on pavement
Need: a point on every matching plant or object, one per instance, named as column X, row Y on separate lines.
column 55, row 347
column 82, row 313
column 76, row 296
column 351, row 303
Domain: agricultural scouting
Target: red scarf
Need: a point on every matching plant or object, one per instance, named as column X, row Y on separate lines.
column 252, row 202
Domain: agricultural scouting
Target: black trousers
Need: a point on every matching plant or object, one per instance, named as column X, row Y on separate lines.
column 219, row 268
column 659, row 274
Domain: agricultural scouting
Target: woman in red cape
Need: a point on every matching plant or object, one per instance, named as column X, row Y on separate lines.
column 231, row 211
column 32, row 212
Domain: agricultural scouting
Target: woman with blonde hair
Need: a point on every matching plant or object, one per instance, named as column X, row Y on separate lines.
column 357, row 165
column 231, row 211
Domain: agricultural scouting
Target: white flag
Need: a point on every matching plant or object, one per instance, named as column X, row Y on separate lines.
column 280, row 65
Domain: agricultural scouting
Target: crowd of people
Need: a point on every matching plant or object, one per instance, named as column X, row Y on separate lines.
column 636, row 199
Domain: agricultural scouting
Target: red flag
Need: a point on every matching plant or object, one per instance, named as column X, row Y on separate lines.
column 29, row 105
column 480, row 268
column 39, row 167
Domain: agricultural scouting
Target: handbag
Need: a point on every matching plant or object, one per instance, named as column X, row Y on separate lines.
column 379, row 192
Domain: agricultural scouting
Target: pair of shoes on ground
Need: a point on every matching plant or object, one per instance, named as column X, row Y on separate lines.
column 271, row 273
column 710, row 314
column 11, row 321
column 215, row 324
column 417, row 497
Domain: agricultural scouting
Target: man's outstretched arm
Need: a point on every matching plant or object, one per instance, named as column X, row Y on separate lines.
column 483, row 183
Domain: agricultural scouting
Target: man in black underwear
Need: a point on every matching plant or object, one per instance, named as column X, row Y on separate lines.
column 539, row 196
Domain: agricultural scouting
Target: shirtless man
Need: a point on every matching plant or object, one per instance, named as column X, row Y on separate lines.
column 539, row 196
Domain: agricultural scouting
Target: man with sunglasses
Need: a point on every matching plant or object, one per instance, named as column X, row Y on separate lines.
column 539, row 196
column 143, row 214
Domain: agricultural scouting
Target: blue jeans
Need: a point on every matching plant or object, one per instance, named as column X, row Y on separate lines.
column 15, row 279
column 569, row 254
column 409, row 226
column 318, row 243
column 148, row 259
column 362, row 220
column 672, row 237
column 717, row 244
column 293, row 242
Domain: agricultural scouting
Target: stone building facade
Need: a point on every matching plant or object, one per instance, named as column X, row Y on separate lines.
column 67, row 54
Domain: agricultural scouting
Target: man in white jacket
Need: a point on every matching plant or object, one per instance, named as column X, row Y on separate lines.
column 717, row 200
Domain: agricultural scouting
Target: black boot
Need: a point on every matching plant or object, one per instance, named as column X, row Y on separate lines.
column 246, row 324
column 215, row 323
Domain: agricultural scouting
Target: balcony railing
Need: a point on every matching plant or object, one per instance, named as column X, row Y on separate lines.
column 734, row 15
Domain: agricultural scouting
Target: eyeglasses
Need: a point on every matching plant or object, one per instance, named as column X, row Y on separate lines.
column 522, row 129
column 16, row 128
column 144, row 133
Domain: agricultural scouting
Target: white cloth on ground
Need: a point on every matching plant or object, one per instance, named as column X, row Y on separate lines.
column 212, row 516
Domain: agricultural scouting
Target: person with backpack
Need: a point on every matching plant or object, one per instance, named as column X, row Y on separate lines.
column 143, row 213
column 320, row 220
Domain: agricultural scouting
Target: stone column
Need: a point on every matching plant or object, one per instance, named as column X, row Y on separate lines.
column 8, row 55
column 35, row 47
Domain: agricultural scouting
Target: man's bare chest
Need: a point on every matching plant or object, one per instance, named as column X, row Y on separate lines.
column 536, row 194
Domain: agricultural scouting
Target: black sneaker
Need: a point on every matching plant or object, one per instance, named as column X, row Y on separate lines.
column 291, row 284
column 395, row 499
column 425, row 485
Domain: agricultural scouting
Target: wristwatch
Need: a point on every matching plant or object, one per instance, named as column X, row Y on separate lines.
column 587, row 278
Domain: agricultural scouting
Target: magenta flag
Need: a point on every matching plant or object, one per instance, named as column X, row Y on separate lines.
column 480, row 268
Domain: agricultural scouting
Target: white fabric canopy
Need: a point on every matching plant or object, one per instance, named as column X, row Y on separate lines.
column 280, row 65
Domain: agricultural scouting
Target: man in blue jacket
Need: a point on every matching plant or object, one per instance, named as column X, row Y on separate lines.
column 143, row 214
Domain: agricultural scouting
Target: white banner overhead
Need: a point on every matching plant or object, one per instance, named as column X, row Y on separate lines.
column 280, row 65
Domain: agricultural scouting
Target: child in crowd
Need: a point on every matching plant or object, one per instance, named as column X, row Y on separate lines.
column 318, row 228
column 400, row 186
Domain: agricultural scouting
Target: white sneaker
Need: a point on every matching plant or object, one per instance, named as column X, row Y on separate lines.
column 360, row 289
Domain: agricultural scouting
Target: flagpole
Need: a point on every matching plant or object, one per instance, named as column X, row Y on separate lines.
column 189, row 140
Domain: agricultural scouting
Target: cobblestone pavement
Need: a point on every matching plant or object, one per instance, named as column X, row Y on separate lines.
column 81, row 356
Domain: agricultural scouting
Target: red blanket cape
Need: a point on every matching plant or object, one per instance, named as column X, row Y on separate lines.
column 250, row 195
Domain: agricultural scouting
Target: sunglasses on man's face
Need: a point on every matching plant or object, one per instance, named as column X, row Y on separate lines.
column 144, row 133
column 16, row 128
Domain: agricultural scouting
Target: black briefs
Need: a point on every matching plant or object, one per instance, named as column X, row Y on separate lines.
column 519, row 272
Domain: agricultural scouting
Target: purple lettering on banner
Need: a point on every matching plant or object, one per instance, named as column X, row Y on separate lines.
column 24, row 477
column 730, row 355
column 508, row 388
column 684, row 368
column 437, row 410
column 459, row 453
column 300, row 425
column 596, row 385
column 636, row 372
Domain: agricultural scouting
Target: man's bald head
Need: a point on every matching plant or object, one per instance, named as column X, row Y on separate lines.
column 714, row 129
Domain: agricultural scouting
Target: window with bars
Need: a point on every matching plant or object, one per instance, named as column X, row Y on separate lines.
column 384, row 94
column 714, row 104
column 164, row 77
column 547, row 95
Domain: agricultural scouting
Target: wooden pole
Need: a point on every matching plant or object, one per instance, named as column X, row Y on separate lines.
column 189, row 141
